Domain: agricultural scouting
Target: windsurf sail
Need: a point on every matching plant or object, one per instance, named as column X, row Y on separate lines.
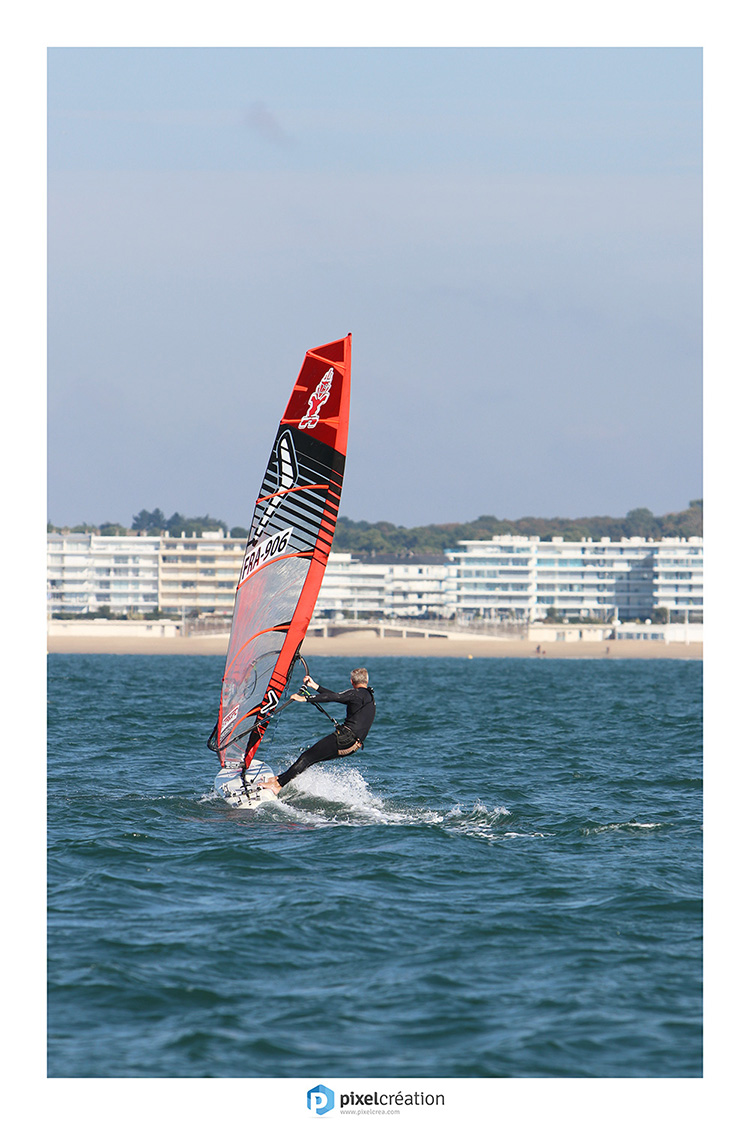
column 287, row 550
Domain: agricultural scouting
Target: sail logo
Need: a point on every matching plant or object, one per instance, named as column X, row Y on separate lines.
column 318, row 398
column 229, row 719
column 320, row 1099
column 282, row 466
column 272, row 702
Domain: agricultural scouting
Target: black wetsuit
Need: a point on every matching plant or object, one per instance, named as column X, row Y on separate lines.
column 360, row 712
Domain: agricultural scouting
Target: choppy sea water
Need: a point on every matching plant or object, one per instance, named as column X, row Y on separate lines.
column 505, row 882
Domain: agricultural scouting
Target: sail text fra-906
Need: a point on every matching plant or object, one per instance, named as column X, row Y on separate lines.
column 263, row 551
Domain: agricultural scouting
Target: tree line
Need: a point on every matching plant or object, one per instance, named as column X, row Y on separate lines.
column 359, row 537
column 156, row 523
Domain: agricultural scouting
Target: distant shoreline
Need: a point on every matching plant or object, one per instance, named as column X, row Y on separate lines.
column 367, row 644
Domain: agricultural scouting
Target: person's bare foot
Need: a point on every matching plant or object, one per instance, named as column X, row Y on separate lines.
column 272, row 784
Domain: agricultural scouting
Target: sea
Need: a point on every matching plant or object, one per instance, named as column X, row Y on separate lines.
column 505, row 882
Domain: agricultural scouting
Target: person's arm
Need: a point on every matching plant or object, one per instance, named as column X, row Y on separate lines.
column 325, row 695
column 308, row 682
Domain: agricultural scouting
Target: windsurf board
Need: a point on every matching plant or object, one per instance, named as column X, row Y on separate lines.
column 245, row 794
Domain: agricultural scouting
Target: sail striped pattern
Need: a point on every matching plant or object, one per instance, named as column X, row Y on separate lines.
column 287, row 551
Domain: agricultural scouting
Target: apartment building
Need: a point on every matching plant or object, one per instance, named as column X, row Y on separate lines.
column 678, row 577
column 519, row 577
column 137, row 574
column 507, row 577
column 198, row 574
column 594, row 578
column 495, row 578
column 90, row 573
column 388, row 586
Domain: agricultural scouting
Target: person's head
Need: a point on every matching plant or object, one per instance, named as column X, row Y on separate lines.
column 359, row 677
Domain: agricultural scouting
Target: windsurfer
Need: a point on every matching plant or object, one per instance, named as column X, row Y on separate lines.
column 346, row 739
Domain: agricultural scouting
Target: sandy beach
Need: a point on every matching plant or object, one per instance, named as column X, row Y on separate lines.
column 366, row 644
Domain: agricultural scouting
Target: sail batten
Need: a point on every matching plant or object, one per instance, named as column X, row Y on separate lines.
column 287, row 549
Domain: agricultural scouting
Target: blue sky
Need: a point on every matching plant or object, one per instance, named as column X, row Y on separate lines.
column 513, row 236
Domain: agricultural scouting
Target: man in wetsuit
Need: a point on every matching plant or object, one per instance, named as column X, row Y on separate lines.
column 346, row 739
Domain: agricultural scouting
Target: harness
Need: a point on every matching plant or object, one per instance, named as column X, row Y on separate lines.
column 346, row 739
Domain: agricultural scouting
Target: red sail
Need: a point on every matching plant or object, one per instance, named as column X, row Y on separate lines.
column 287, row 550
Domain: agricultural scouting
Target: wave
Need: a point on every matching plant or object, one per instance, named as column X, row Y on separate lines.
column 322, row 797
column 593, row 830
column 327, row 797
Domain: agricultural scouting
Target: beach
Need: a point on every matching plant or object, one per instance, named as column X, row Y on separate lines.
column 366, row 644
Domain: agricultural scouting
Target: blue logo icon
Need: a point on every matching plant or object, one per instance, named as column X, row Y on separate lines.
column 320, row 1098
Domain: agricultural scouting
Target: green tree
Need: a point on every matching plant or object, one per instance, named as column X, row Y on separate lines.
column 149, row 521
column 193, row 525
column 642, row 522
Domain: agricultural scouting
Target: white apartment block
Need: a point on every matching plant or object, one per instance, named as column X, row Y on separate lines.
column 136, row 574
column 86, row 573
column 199, row 573
column 388, row 586
column 678, row 577
column 142, row 573
column 520, row 577
column 507, row 577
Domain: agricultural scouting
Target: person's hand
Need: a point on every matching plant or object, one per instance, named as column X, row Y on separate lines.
column 299, row 698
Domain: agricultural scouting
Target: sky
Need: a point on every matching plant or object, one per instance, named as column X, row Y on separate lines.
column 513, row 236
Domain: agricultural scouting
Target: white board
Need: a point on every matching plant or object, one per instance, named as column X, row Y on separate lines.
column 229, row 785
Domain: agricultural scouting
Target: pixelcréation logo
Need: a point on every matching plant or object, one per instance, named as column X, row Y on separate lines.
column 320, row 1099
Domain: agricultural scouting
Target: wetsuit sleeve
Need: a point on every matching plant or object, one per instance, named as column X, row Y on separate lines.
column 324, row 695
